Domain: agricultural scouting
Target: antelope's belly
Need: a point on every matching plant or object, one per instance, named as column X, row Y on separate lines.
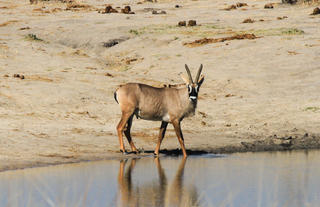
column 141, row 114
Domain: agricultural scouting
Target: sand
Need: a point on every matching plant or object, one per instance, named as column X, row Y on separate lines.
column 258, row 94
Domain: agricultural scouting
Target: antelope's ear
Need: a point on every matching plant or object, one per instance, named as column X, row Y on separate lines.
column 183, row 77
column 201, row 79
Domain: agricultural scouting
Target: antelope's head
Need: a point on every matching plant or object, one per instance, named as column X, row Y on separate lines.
column 193, row 86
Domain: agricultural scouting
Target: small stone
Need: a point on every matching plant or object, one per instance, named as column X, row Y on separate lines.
column 231, row 7
column 316, row 11
column 109, row 9
column 127, row 10
column 239, row 4
column 268, row 6
column 109, row 75
column 248, row 20
column 18, row 76
column 182, row 24
column 192, row 23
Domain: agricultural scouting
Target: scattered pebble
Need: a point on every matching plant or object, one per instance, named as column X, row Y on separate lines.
column 280, row 18
column 177, row 6
column 229, row 95
column 182, row 24
column 161, row 12
column 6, row 76
column 316, row 11
column 239, row 4
column 289, row 1
column 268, row 6
column 248, row 20
column 18, row 76
column 127, row 10
column 231, row 7
column 113, row 42
column 33, row 1
column 192, row 23
column 128, row 61
column 24, row 28
column 204, row 115
column 109, row 9
column 109, row 75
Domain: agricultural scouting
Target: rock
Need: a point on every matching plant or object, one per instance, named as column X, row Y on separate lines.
column 316, row 11
column 109, row 9
column 239, row 4
column 248, row 20
column 33, row 1
column 127, row 10
column 192, row 23
column 162, row 12
column 24, row 28
column 113, row 42
column 182, row 24
column 231, row 7
column 109, row 75
column 289, row 1
column 18, row 76
column 268, row 6
column 177, row 6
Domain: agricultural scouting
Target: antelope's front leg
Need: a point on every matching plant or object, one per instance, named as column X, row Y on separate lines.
column 177, row 128
column 162, row 132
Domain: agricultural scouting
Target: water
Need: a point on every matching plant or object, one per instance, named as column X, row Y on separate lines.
column 250, row 179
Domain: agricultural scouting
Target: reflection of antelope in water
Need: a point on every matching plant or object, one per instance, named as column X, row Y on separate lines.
column 158, row 194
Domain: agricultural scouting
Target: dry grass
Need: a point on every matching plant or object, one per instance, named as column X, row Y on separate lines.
column 8, row 23
column 205, row 41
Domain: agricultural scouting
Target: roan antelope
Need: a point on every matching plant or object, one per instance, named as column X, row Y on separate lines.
column 168, row 105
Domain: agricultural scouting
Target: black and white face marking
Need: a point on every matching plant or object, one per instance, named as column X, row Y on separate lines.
column 193, row 92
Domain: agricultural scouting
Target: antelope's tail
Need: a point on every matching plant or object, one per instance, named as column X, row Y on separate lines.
column 115, row 96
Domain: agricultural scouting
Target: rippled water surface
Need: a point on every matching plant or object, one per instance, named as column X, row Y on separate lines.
column 250, row 179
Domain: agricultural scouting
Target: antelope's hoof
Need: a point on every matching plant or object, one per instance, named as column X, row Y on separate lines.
column 155, row 154
column 123, row 152
column 135, row 152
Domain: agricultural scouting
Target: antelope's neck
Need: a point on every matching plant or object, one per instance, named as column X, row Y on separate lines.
column 188, row 105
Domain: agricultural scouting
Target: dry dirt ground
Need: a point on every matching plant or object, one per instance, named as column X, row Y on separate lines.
column 59, row 68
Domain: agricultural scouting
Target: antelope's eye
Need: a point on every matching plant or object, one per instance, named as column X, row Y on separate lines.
column 189, row 88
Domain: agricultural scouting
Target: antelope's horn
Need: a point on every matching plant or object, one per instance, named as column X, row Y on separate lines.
column 198, row 74
column 189, row 74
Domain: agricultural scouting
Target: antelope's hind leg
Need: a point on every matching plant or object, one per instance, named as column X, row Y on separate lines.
column 120, row 128
column 128, row 134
